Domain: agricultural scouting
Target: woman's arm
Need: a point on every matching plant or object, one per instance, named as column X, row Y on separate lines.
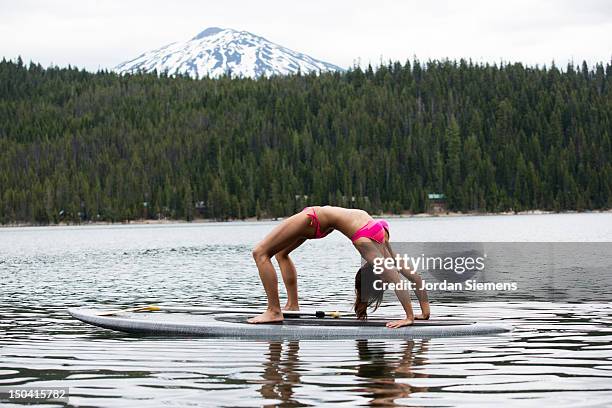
column 391, row 275
column 417, row 281
column 370, row 252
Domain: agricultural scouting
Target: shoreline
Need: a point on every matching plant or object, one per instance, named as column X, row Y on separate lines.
column 165, row 221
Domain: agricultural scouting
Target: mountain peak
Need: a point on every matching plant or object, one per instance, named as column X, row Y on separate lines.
column 219, row 51
column 208, row 32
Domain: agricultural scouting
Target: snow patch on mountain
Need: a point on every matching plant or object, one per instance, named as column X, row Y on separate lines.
column 218, row 51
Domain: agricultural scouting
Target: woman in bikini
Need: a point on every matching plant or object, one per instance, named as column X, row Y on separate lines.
column 370, row 238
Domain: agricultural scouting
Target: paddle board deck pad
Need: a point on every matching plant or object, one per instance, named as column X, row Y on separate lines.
column 236, row 326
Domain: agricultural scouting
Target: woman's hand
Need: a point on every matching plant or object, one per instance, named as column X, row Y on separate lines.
column 400, row 323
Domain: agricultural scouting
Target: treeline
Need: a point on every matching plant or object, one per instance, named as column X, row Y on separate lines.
column 79, row 146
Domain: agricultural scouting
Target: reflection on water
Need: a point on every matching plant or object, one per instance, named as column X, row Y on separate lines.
column 375, row 368
column 380, row 373
column 558, row 354
column 280, row 377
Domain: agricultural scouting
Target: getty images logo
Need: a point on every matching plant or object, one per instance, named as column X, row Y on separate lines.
column 445, row 261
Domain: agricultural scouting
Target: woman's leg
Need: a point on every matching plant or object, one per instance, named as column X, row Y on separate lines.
column 281, row 237
column 289, row 274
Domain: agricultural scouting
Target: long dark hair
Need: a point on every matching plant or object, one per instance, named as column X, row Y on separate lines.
column 366, row 295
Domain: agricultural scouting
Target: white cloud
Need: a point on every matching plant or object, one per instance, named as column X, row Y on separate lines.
column 100, row 34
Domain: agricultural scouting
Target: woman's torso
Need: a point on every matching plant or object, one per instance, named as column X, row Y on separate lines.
column 345, row 220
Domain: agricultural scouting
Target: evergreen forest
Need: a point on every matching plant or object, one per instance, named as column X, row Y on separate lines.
column 78, row 146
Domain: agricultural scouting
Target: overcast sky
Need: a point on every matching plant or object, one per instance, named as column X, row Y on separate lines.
column 102, row 33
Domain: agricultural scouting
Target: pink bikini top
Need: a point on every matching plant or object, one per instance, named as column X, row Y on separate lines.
column 315, row 222
column 374, row 230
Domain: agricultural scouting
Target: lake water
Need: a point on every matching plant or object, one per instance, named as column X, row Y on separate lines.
column 559, row 353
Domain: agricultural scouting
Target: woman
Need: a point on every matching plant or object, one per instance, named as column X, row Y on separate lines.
column 370, row 237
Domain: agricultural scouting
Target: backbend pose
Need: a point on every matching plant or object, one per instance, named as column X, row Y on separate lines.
column 370, row 238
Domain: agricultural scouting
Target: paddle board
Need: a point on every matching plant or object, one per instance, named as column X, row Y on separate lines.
column 236, row 326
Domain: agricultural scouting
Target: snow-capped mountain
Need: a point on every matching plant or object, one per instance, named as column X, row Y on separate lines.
column 217, row 51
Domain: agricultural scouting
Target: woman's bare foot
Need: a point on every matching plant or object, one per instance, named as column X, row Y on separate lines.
column 267, row 317
column 291, row 307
